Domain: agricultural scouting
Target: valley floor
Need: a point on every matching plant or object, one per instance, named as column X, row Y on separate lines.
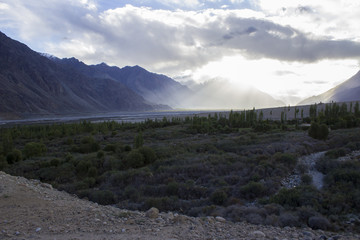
column 33, row 210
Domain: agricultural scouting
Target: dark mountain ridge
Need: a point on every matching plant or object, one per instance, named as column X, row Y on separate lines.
column 156, row 88
column 31, row 83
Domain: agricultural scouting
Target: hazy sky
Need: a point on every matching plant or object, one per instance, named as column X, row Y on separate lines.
column 282, row 47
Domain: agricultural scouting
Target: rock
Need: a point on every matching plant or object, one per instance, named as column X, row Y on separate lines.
column 210, row 219
column 220, row 219
column 46, row 185
column 180, row 219
column 258, row 234
column 308, row 234
column 38, row 229
column 152, row 213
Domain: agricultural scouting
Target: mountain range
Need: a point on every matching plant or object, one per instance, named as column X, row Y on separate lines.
column 34, row 84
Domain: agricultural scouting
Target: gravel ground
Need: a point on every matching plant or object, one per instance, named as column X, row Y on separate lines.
column 30, row 209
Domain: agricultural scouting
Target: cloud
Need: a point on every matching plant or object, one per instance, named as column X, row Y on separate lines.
column 284, row 73
column 168, row 41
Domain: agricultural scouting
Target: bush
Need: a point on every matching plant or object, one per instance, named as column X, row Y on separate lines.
column 319, row 222
column 289, row 219
column 92, row 172
column 317, row 131
column 148, row 153
column 55, row 162
column 33, row 149
column 100, row 154
column 103, row 197
column 134, row 159
column 287, row 197
column 285, row 158
column 172, row 188
column 82, row 167
column 110, row 148
column 252, row 190
column 14, row 156
column 87, row 145
column 219, row 197
column 306, row 179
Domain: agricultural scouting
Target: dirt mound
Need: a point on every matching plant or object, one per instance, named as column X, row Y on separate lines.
column 30, row 209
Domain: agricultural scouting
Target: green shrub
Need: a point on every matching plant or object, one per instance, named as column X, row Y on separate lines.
column 219, row 197
column 127, row 148
column 252, row 190
column 287, row 198
column 34, row 149
column 82, row 167
column 336, row 153
column 55, row 162
column 134, row 159
column 172, row 188
column 14, row 156
column 285, row 158
column 100, row 154
column 68, row 157
column 317, row 131
column 103, row 197
column 92, row 172
column 306, row 179
column 87, row 145
column 110, row 148
column 148, row 153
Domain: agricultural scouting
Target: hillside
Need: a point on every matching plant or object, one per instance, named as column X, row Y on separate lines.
column 348, row 91
column 33, row 210
column 33, row 84
column 153, row 87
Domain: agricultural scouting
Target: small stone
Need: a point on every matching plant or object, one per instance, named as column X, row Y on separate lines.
column 308, row 234
column 38, row 229
column 180, row 219
column 17, row 233
column 220, row 219
column 123, row 230
column 152, row 213
column 210, row 219
column 258, row 234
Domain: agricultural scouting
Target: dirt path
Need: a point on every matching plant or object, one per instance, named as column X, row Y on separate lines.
column 30, row 209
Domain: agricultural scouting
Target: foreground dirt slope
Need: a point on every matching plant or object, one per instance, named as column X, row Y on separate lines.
column 30, row 209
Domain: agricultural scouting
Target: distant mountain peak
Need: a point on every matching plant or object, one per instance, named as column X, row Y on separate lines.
column 347, row 91
column 49, row 56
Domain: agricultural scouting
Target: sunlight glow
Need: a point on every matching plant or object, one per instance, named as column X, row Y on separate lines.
column 279, row 78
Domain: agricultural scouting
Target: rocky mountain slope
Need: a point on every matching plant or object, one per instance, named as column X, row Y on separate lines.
column 153, row 87
column 33, row 84
column 34, row 210
column 348, row 91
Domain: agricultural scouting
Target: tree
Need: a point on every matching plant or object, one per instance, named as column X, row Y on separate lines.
column 139, row 140
column 357, row 109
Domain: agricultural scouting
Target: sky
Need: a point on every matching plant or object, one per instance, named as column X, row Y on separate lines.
column 290, row 49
